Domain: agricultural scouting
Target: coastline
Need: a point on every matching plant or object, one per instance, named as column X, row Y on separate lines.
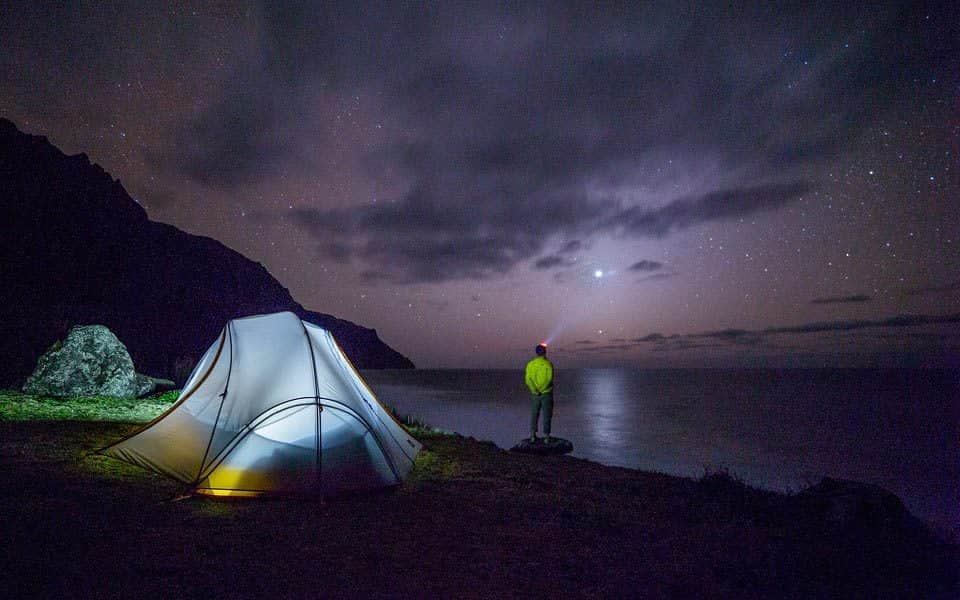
column 777, row 430
column 471, row 520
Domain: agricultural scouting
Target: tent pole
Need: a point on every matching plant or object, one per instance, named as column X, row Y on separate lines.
column 223, row 398
column 318, row 460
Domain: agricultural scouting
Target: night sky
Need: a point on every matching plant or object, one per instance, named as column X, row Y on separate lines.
column 641, row 184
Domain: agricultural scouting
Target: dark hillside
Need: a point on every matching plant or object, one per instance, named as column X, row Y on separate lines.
column 75, row 248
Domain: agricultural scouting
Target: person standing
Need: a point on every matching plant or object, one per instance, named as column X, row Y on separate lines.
column 539, row 378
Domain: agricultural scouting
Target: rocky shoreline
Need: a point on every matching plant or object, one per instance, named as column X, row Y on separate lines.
column 472, row 520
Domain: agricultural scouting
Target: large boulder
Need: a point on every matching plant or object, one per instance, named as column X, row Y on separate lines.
column 91, row 361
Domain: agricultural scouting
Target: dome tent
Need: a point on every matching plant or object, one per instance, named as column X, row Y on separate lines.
column 274, row 407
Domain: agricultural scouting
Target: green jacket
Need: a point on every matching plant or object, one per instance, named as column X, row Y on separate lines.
column 539, row 376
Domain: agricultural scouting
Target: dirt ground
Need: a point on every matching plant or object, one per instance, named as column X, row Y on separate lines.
column 471, row 521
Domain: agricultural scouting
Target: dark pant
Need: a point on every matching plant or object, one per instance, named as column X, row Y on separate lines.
column 544, row 401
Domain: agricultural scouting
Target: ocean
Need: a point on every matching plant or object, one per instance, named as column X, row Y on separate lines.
column 774, row 429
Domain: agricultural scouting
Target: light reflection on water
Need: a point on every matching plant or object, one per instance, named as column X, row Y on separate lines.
column 604, row 415
column 775, row 429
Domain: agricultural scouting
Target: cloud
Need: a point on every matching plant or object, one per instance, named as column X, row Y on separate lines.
column 646, row 266
column 934, row 289
column 652, row 337
column 658, row 342
column 924, row 336
column 337, row 251
column 857, row 299
column 239, row 138
column 422, row 238
column 748, row 336
column 719, row 205
column 683, row 345
column 657, row 277
column 500, row 164
column 438, row 305
column 506, row 129
column 897, row 321
column 739, row 337
column 374, row 276
column 596, row 349
column 551, row 262
column 727, row 334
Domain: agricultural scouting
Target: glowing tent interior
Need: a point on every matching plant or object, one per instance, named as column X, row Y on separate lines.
column 274, row 407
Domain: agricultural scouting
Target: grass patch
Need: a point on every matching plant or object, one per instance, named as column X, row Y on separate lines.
column 17, row 406
column 111, row 468
column 408, row 421
column 430, row 465
column 413, row 424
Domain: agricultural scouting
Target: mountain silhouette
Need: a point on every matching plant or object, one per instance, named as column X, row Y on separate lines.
column 75, row 248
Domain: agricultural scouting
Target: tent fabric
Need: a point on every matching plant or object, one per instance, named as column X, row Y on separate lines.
column 274, row 407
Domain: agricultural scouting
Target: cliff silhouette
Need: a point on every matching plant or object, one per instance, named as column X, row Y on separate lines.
column 75, row 248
